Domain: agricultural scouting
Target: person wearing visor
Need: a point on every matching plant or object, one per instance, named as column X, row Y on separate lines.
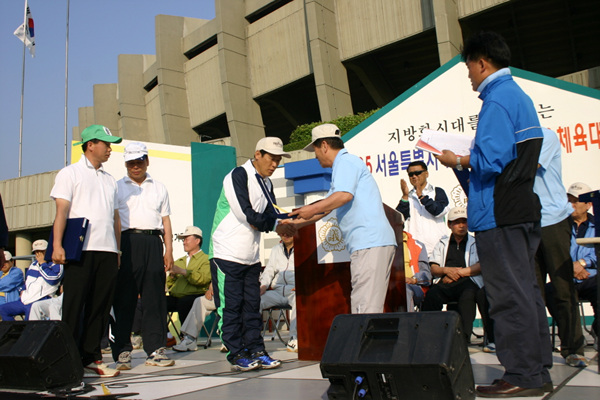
column 86, row 189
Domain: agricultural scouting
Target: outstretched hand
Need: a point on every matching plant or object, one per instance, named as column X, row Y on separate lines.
column 448, row 158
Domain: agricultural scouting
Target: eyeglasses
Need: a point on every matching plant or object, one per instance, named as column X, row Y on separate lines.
column 417, row 173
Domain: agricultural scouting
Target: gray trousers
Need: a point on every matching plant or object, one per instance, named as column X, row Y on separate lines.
column 370, row 274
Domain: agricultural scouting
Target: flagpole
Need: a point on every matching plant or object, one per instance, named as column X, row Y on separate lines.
column 22, row 97
column 67, row 82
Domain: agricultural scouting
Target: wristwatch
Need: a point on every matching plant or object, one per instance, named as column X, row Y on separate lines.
column 582, row 262
column 459, row 167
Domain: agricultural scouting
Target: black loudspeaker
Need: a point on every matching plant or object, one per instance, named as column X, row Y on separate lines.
column 38, row 355
column 398, row 356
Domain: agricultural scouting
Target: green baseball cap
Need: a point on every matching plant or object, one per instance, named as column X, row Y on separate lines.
column 99, row 132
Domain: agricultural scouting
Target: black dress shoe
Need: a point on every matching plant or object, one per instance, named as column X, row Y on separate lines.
column 548, row 387
column 501, row 388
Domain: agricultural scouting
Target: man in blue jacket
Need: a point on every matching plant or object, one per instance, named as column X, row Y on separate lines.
column 504, row 213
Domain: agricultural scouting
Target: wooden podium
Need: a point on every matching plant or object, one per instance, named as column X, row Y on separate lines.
column 323, row 290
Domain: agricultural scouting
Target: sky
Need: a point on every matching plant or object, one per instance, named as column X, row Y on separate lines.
column 99, row 30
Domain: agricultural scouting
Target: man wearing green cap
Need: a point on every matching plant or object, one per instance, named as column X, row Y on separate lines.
column 85, row 189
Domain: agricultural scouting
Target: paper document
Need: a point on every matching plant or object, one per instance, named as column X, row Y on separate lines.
column 436, row 141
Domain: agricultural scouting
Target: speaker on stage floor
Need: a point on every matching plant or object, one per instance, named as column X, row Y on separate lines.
column 38, row 355
column 398, row 356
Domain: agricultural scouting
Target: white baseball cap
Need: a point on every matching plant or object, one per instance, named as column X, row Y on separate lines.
column 190, row 230
column 578, row 188
column 272, row 145
column 7, row 255
column 457, row 213
column 39, row 244
column 135, row 151
column 321, row 132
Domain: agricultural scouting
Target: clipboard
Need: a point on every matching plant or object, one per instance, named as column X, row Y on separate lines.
column 73, row 238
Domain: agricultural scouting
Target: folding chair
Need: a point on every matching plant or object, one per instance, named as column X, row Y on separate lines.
column 213, row 328
column 282, row 308
column 171, row 324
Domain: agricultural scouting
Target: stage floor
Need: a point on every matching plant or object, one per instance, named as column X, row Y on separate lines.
column 206, row 374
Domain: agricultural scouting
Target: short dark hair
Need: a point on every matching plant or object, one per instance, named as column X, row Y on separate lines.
column 488, row 45
column 199, row 237
column 85, row 145
column 335, row 143
column 417, row 164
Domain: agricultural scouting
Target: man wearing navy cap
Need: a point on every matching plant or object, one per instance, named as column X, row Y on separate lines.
column 144, row 210
column 85, row 189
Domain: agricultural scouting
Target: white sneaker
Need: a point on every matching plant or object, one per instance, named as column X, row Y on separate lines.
column 187, row 344
column 489, row 348
column 223, row 349
column 292, row 346
column 136, row 342
column 98, row 369
column 124, row 361
column 159, row 359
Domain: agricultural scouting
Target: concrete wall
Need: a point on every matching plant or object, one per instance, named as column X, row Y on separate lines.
column 365, row 26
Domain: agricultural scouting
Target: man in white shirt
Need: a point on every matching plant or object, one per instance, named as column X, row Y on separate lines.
column 423, row 207
column 85, row 189
column 144, row 210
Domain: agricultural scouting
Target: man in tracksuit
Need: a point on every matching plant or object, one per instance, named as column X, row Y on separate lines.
column 244, row 209
column 504, row 213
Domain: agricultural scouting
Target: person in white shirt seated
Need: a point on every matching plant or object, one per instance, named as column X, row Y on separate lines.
column 42, row 281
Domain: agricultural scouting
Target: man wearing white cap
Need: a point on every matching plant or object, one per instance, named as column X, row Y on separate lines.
column 85, row 189
column 455, row 261
column 41, row 282
column 191, row 290
column 366, row 230
column 245, row 208
column 11, row 280
column 190, row 276
column 145, row 224
column 585, row 261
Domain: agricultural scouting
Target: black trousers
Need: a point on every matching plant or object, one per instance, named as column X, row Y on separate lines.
column 463, row 291
column 237, row 298
column 142, row 272
column 553, row 259
column 506, row 255
column 588, row 290
column 89, row 287
column 183, row 305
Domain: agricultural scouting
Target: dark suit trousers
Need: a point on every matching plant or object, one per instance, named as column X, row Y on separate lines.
column 521, row 329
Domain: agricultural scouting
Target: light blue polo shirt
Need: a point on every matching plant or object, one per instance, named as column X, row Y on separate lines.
column 362, row 220
column 548, row 182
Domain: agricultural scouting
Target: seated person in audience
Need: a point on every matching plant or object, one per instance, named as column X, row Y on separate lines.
column 190, row 276
column 192, row 325
column 455, row 261
column 417, row 272
column 279, row 276
column 11, row 280
column 585, row 263
column 48, row 309
column 42, row 280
